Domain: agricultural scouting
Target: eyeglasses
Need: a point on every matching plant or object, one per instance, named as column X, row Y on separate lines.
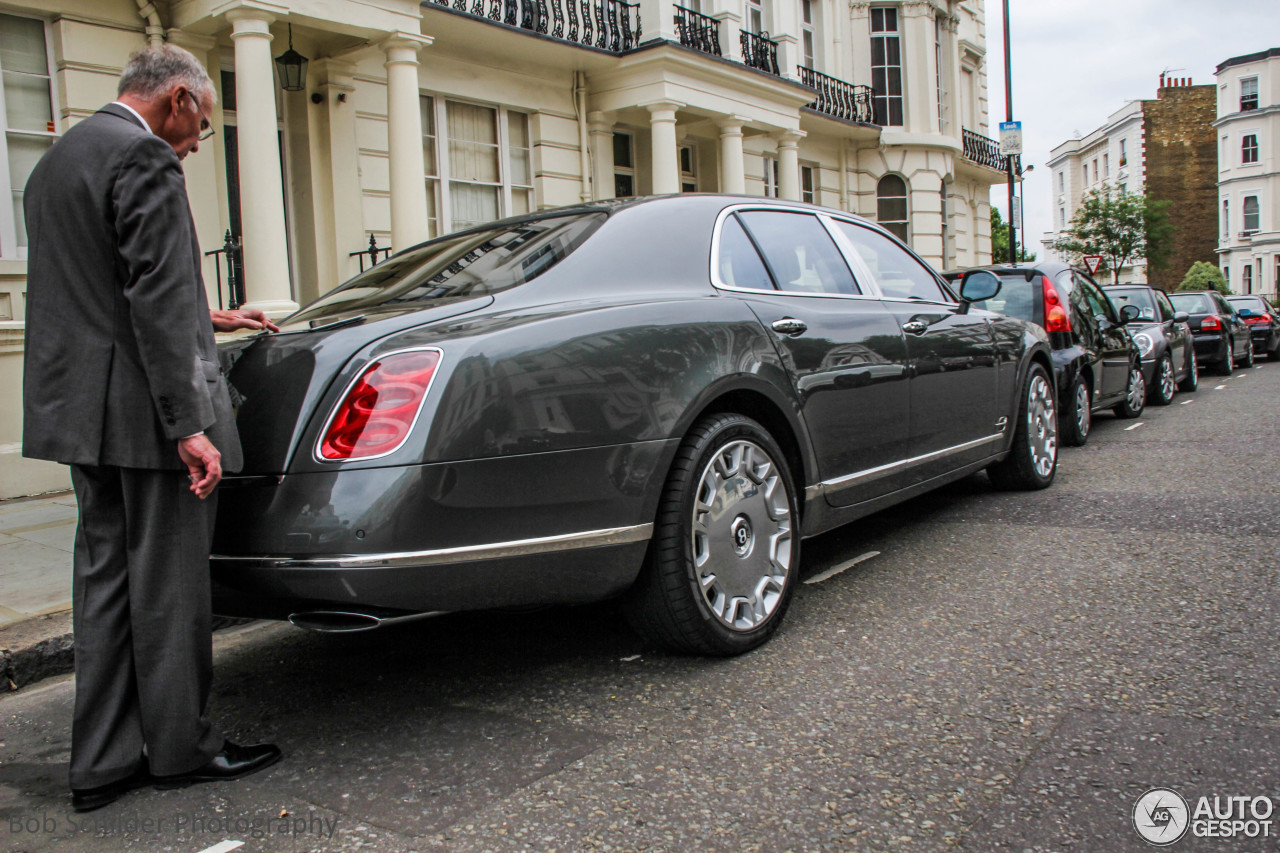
column 206, row 127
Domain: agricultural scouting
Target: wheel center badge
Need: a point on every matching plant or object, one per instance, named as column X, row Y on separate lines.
column 740, row 531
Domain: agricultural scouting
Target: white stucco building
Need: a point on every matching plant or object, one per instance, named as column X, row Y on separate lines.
column 418, row 118
column 1248, row 127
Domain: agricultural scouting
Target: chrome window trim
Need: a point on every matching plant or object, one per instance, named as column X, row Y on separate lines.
column 333, row 412
column 871, row 474
column 439, row 556
column 845, row 242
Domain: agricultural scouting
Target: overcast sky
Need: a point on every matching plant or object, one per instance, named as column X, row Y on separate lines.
column 1077, row 61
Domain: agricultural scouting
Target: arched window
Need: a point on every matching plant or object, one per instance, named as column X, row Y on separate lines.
column 891, row 205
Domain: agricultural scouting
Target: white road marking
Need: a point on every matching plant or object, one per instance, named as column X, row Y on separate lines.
column 1187, row 402
column 223, row 847
column 1220, row 387
column 1135, row 426
column 837, row 569
column 630, row 658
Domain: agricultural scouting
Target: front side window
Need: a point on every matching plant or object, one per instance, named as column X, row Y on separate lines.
column 886, row 66
column 1166, row 310
column 799, row 252
column 891, row 205
column 26, row 108
column 1252, row 215
column 1139, row 298
column 1248, row 93
column 898, row 273
column 1249, row 148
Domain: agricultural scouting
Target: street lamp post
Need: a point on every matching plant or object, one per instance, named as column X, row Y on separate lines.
column 1022, row 207
column 1008, row 116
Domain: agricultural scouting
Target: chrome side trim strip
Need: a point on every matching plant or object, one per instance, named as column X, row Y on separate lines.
column 465, row 554
column 871, row 474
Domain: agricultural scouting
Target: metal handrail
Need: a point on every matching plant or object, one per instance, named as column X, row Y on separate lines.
column 983, row 150
column 698, row 31
column 373, row 251
column 612, row 25
column 235, row 282
column 838, row 98
column 759, row 51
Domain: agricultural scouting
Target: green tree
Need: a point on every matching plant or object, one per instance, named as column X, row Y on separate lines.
column 1120, row 227
column 1000, row 240
column 1204, row 276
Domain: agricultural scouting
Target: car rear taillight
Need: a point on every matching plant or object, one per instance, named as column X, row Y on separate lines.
column 1258, row 321
column 1210, row 324
column 379, row 410
column 1056, row 318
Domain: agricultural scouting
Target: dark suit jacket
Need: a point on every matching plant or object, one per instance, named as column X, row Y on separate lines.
column 120, row 357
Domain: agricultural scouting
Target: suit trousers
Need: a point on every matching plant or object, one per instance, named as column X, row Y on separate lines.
column 143, row 625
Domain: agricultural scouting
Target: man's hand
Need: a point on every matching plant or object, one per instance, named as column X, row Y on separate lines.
column 240, row 318
column 204, row 463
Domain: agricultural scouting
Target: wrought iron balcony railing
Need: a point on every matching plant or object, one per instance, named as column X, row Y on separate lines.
column 983, row 150
column 758, row 51
column 611, row 25
column 698, row 31
column 838, row 98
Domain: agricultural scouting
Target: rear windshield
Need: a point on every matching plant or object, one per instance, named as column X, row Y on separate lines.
column 477, row 263
column 1017, row 297
column 1193, row 303
column 1138, row 297
column 1252, row 303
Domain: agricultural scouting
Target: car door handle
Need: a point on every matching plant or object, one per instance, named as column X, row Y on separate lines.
column 915, row 327
column 790, row 326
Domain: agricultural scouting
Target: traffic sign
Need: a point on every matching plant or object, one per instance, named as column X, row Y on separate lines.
column 1010, row 138
column 1093, row 262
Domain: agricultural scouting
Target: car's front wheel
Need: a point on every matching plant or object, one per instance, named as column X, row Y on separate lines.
column 1247, row 361
column 1163, row 388
column 1033, row 460
column 1192, row 380
column 1135, row 394
column 1077, row 413
column 725, row 552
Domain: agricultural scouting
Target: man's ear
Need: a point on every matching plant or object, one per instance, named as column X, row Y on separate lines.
column 176, row 95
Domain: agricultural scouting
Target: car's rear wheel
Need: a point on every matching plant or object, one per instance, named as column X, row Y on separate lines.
column 1247, row 361
column 1228, row 362
column 1135, row 394
column 1163, row 387
column 1033, row 460
column 725, row 552
column 1192, row 380
column 1077, row 413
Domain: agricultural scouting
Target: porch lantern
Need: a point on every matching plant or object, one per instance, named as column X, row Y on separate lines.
column 292, row 68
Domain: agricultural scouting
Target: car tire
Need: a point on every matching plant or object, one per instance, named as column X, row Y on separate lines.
column 718, row 583
column 1135, row 394
column 1247, row 361
column 1032, row 462
column 1076, row 414
column 1192, row 380
column 1163, row 386
column 1228, row 362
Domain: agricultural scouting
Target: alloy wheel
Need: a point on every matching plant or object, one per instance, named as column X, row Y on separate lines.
column 1137, row 388
column 1084, row 415
column 1042, row 424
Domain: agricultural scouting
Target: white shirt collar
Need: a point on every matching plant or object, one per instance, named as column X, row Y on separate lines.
column 142, row 121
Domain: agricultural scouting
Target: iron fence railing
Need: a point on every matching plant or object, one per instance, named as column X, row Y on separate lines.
column 232, row 251
column 611, row 25
column 372, row 252
column 758, row 51
column 699, row 31
column 838, row 98
column 983, row 150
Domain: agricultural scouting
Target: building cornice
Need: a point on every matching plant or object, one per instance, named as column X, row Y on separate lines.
column 1246, row 114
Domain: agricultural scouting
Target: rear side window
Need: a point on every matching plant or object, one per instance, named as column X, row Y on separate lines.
column 800, row 253
column 739, row 262
column 899, row 275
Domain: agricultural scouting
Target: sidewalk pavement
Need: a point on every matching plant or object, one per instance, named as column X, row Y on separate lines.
column 36, row 540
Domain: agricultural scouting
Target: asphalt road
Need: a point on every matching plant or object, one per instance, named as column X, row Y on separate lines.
column 1008, row 672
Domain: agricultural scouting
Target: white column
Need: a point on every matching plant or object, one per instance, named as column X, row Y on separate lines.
column 409, row 224
column 266, row 262
column 601, row 131
column 666, row 162
column 733, row 177
column 789, row 164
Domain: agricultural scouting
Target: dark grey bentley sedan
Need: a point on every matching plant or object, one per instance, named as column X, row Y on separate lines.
column 656, row 399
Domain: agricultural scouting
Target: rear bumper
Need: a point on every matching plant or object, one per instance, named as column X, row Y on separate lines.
column 1212, row 347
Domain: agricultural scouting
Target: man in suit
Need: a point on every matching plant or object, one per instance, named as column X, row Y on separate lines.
column 121, row 382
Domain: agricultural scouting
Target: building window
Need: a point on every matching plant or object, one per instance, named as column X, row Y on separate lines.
column 1062, row 182
column 688, row 169
column 1226, row 221
column 940, row 74
column 1248, row 93
column 807, row 193
column 1226, row 274
column 1251, row 214
column 806, row 34
column 1106, row 165
column 1124, row 188
column 1062, row 218
column 427, row 105
column 1095, row 168
column 624, row 169
column 946, row 232
column 26, row 110
column 891, row 205
column 1249, row 148
column 886, row 66
column 770, row 176
column 1085, row 172
column 1246, row 277
column 1277, row 276
column 755, row 16
column 1124, row 153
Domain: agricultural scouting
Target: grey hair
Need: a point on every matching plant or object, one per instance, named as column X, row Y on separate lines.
column 155, row 70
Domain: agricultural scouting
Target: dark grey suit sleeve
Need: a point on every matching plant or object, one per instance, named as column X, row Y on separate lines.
column 152, row 220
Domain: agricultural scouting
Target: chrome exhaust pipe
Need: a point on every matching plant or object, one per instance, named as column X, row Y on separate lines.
column 344, row 622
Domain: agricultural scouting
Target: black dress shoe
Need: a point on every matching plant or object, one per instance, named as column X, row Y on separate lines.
column 232, row 762
column 88, row 799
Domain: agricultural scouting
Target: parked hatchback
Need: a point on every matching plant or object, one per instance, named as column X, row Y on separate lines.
column 1263, row 320
column 1096, row 363
column 1163, row 338
column 1221, row 335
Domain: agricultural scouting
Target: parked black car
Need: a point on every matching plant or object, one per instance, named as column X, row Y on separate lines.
column 1263, row 320
column 654, row 398
column 1096, row 364
column 1222, row 337
column 1163, row 338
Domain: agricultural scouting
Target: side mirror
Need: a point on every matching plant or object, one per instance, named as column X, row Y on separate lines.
column 1182, row 317
column 977, row 286
column 1129, row 313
